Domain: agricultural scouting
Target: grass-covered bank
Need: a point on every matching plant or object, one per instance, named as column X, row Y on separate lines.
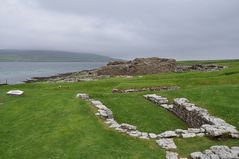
column 48, row 122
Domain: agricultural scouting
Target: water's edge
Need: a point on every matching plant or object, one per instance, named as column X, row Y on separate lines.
column 20, row 72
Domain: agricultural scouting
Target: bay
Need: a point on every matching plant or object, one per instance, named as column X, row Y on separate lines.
column 16, row 72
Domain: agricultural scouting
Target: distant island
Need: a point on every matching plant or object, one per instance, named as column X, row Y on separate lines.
column 7, row 55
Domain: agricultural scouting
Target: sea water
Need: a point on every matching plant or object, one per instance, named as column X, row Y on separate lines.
column 16, row 72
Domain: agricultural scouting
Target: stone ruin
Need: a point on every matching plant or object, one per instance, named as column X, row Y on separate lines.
column 153, row 65
column 138, row 66
column 196, row 117
column 217, row 152
column 199, row 68
column 158, row 88
column 165, row 139
column 128, row 69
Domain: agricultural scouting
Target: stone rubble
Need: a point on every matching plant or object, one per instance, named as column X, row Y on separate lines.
column 217, row 152
column 138, row 66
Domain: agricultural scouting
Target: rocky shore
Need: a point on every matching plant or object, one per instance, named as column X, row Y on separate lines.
column 85, row 75
column 138, row 66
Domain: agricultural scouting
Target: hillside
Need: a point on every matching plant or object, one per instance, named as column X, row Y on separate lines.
column 49, row 56
column 48, row 121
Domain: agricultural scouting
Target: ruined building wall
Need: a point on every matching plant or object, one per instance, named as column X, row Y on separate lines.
column 139, row 66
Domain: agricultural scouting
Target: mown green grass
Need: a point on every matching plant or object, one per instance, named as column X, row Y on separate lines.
column 49, row 122
column 134, row 109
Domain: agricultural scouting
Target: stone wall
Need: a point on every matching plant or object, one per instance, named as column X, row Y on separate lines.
column 138, row 66
column 217, row 152
column 165, row 139
column 196, row 117
column 199, row 68
column 159, row 88
column 189, row 113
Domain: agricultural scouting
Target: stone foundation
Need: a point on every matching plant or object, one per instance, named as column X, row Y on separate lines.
column 189, row 113
column 165, row 140
column 196, row 117
column 217, row 152
column 199, row 68
column 160, row 88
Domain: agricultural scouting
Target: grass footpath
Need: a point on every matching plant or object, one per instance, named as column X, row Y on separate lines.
column 50, row 123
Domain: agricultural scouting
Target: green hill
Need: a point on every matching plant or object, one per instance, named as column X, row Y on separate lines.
column 49, row 56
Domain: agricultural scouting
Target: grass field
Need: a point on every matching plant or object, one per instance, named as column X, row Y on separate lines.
column 50, row 123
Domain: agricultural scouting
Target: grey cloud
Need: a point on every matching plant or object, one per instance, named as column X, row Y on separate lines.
column 184, row 29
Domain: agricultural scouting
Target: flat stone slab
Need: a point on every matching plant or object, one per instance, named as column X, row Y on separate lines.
column 167, row 134
column 82, row 96
column 152, row 135
column 171, row 155
column 166, row 143
column 128, row 126
column 15, row 92
column 188, row 135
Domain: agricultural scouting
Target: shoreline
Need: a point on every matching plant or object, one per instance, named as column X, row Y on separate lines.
column 116, row 68
column 18, row 73
column 75, row 74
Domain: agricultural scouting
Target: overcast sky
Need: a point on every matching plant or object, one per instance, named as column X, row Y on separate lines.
column 181, row 29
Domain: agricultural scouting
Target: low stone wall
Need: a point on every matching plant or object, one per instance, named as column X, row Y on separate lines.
column 196, row 117
column 166, row 139
column 199, row 68
column 189, row 113
column 217, row 152
column 107, row 115
column 159, row 88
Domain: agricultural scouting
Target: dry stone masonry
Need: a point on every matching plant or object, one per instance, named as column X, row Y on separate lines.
column 127, row 69
column 107, row 115
column 217, row 152
column 165, row 139
column 160, row 88
column 138, row 66
column 209, row 125
column 196, row 117
column 199, row 68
